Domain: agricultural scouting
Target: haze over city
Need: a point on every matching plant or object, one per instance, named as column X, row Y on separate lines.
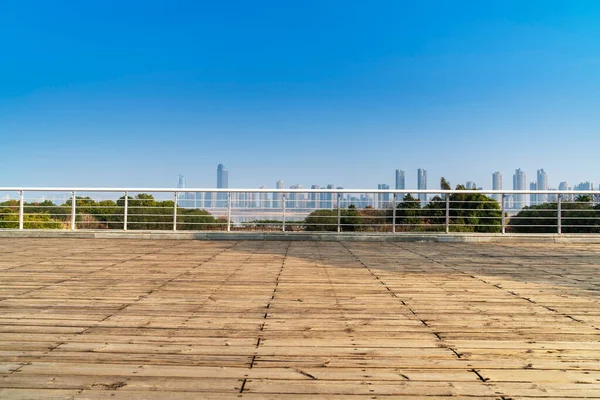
column 317, row 92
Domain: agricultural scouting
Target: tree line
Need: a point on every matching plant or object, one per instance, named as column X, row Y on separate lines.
column 143, row 213
column 469, row 212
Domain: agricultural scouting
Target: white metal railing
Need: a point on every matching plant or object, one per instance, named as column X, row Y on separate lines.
column 337, row 210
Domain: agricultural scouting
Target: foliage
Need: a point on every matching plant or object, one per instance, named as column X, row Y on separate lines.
column 474, row 212
column 193, row 219
column 469, row 212
column 327, row 220
column 408, row 212
column 444, row 184
column 576, row 217
column 144, row 213
column 351, row 219
column 322, row 220
column 10, row 220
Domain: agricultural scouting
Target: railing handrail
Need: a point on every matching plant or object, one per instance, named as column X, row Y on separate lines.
column 334, row 200
column 251, row 190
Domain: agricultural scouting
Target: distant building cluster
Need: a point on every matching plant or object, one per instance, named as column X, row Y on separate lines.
column 331, row 200
column 518, row 201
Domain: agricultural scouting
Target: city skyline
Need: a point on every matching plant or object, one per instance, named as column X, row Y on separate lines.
column 325, row 200
column 496, row 183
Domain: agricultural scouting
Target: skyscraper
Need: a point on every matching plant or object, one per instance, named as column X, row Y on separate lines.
column 295, row 199
column 497, row 185
column 563, row 186
column 383, row 199
column 471, row 185
column 339, row 200
column 314, row 200
column 542, row 184
column 278, row 197
column 222, row 183
column 533, row 198
column 181, row 195
column 584, row 186
column 222, row 177
column 329, row 196
column 519, row 183
column 400, row 180
column 265, row 201
column 184, row 199
column 422, row 184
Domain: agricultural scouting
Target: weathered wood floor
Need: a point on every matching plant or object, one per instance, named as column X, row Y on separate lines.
column 149, row 319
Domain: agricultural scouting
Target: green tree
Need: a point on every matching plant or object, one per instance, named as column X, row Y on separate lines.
column 444, row 184
column 10, row 220
column 351, row 219
column 408, row 213
column 578, row 216
column 474, row 212
column 321, row 221
column 195, row 220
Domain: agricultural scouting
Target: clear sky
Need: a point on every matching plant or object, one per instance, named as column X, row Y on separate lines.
column 133, row 93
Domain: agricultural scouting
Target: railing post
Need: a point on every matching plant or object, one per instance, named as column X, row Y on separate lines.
column 21, row 209
column 376, row 207
column 559, row 214
column 503, row 208
column 339, row 219
column 447, row 213
column 394, row 213
column 73, row 210
column 283, row 206
column 228, row 211
column 125, row 211
column 175, row 213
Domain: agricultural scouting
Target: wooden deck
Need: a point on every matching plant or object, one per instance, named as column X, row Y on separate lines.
column 150, row 319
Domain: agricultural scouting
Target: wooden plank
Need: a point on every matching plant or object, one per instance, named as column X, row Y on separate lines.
column 264, row 320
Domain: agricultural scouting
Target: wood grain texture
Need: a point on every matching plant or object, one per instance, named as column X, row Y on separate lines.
column 157, row 319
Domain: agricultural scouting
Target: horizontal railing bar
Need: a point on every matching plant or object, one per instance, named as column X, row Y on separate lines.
column 80, row 190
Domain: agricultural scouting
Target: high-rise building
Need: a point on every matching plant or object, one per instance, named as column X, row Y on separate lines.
column 278, row 197
column 542, row 184
column 339, row 201
column 222, row 183
column 533, row 198
column 584, row 186
column 383, row 199
column 265, row 201
column 400, row 180
column 314, row 199
column 295, row 199
column 255, row 200
column 565, row 186
column 365, row 201
column 497, row 185
column 327, row 198
column 471, row 185
column 184, row 199
column 222, row 177
column 243, row 200
column 519, row 183
column 199, row 200
column 422, row 184
column 180, row 195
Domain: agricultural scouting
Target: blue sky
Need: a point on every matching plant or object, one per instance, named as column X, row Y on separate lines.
column 113, row 93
